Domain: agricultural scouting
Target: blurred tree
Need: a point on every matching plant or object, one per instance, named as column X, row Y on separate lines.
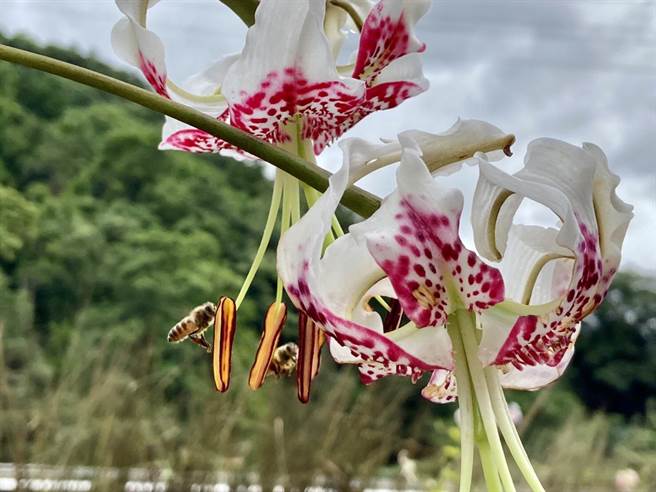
column 615, row 360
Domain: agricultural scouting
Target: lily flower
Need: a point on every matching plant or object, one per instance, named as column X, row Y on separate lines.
column 554, row 277
column 286, row 88
column 472, row 324
column 287, row 80
column 378, row 258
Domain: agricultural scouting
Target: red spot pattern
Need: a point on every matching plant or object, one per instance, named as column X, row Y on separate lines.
column 377, row 98
column 284, row 95
column 544, row 340
column 441, row 388
column 383, row 40
column 193, row 140
column 380, row 355
column 156, row 79
column 326, row 109
column 422, row 255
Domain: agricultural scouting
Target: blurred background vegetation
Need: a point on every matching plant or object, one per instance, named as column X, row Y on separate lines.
column 105, row 242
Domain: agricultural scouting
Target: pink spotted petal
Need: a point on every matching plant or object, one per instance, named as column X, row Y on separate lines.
column 387, row 35
column 414, row 238
column 441, row 388
column 378, row 98
column 529, row 355
column 138, row 46
column 575, row 183
column 287, row 73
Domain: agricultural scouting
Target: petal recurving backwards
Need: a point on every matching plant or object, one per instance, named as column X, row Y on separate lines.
column 414, row 238
column 387, row 61
column 575, row 183
column 387, row 35
column 137, row 45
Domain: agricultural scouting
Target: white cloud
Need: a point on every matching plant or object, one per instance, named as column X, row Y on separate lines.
column 579, row 71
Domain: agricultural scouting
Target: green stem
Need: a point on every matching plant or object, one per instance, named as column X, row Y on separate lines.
column 466, row 325
column 359, row 201
column 245, row 9
column 466, row 405
column 509, row 432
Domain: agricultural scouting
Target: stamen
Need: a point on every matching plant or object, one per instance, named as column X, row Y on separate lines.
column 424, row 297
column 274, row 320
column 266, row 237
column 308, row 355
column 225, row 325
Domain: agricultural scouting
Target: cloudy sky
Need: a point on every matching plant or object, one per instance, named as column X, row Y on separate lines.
column 575, row 70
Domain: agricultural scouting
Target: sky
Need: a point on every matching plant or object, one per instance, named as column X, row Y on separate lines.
column 580, row 71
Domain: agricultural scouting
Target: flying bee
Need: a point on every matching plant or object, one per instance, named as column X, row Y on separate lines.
column 284, row 360
column 193, row 325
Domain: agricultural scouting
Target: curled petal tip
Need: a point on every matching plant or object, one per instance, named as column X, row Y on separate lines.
column 225, row 325
column 274, row 321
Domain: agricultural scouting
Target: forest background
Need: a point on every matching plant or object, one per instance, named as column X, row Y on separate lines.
column 105, row 242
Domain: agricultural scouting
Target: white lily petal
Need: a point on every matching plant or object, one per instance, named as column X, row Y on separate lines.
column 441, row 388
column 530, row 249
column 388, row 34
column 442, row 152
column 575, row 184
column 286, row 72
column 532, row 378
column 138, row 46
column 414, row 238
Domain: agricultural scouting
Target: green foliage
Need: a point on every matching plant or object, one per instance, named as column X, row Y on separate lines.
column 616, row 353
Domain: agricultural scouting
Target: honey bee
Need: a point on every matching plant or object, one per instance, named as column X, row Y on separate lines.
column 284, row 360
column 193, row 325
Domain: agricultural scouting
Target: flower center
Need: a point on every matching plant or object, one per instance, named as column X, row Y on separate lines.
column 424, row 296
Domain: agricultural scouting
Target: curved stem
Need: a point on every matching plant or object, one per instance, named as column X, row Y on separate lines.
column 467, row 328
column 509, row 432
column 360, row 201
column 466, row 405
column 266, row 238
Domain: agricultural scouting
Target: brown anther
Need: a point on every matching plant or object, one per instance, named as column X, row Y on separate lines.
column 309, row 342
column 274, row 320
column 225, row 325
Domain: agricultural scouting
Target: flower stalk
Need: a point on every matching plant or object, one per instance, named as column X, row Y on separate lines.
column 358, row 200
column 245, row 9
